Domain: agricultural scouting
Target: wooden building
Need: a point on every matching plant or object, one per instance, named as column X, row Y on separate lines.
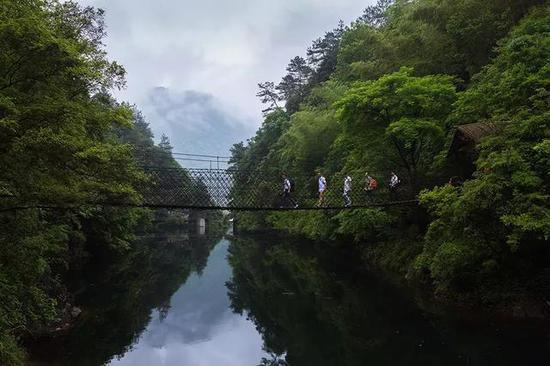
column 462, row 153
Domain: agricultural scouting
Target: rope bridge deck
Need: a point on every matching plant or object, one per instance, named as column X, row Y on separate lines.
column 230, row 189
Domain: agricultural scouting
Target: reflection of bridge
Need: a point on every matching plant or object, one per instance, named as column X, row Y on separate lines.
column 231, row 189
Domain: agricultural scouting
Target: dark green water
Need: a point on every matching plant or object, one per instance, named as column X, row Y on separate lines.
column 199, row 301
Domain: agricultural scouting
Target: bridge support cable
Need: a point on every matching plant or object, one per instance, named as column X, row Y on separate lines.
column 231, row 189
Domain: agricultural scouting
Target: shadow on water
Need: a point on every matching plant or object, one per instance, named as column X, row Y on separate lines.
column 176, row 299
column 119, row 293
column 314, row 305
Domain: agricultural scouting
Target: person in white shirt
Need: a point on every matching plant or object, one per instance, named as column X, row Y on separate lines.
column 394, row 182
column 287, row 188
column 322, row 189
column 347, row 190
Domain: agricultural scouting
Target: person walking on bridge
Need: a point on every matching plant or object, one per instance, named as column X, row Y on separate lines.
column 370, row 185
column 394, row 183
column 347, row 190
column 322, row 189
column 287, row 189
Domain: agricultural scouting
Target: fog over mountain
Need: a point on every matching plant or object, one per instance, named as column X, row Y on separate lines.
column 208, row 54
column 195, row 122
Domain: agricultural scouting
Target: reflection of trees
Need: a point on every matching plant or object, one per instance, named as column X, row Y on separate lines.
column 122, row 294
column 297, row 305
column 309, row 305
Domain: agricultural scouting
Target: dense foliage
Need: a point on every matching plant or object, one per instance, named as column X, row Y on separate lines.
column 498, row 224
column 64, row 143
column 382, row 94
column 119, row 292
column 394, row 86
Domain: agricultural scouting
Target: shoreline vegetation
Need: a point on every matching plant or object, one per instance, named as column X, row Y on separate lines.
column 119, row 294
column 64, row 138
column 454, row 97
column 383, row 93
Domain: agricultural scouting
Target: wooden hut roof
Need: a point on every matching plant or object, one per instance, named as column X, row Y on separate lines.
column 467, row 136
column 476, row 131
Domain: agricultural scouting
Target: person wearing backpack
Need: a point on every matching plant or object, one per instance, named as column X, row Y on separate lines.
column 288, row 187
column 347, row 190
column 371, row 185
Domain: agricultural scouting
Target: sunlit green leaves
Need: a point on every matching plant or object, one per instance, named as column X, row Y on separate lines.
column 401, row 86
column 504, row 211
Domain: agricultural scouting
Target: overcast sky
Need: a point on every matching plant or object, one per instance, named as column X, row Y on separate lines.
column 191, row 62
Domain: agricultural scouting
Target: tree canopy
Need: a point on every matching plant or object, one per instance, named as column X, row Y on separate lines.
column 64, row 142
column 402, row 77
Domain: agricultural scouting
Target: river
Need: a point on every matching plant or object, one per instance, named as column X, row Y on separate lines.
column 194, row 301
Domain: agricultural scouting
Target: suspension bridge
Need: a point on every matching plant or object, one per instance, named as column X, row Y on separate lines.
column 218, row 186
column 231, row 189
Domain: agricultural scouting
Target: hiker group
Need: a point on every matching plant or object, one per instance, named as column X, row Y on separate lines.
column 371, row 185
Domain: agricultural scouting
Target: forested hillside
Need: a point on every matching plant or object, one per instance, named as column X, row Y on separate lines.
column 386, row 93
column 396, row 90
column 64, row 143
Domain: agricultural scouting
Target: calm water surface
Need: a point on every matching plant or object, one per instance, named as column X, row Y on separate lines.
column 200, row 328
column 269, row 301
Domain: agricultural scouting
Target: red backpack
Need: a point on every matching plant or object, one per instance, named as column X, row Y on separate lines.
column 373, row 184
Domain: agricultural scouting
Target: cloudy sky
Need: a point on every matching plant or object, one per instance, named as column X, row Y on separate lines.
column 193, row 65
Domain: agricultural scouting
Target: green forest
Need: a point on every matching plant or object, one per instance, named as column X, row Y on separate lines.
column 64, row 142
column 127, row 288
column 389, row 93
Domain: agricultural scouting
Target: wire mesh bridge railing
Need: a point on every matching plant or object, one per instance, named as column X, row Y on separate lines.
column 231, row 189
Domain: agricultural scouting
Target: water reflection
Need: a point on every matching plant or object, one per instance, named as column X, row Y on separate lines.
column 162, row 303
column 315, row 306
column 177, row 300
column 200, row 328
